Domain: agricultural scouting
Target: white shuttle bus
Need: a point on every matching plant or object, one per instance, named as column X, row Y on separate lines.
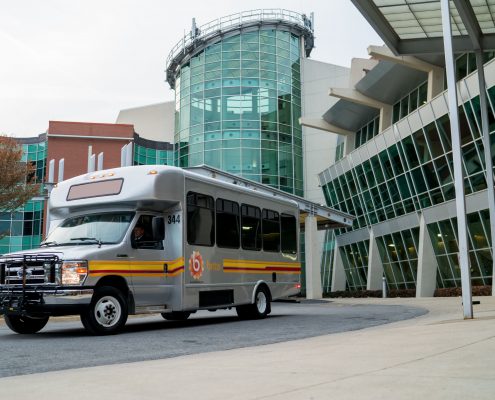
column 152, row 239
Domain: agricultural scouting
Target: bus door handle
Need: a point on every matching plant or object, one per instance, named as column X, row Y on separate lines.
column 165, row 268
column 122, row 256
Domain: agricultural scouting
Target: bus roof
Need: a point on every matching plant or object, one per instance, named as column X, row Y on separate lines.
column 156, row 186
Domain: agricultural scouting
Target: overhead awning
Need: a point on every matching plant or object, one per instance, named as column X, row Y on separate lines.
column 414, row 27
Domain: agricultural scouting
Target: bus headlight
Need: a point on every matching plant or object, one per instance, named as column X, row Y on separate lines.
column 74, row 272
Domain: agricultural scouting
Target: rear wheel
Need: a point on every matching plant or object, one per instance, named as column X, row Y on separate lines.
column 107, row 313
column 25, row 325
column 176, row 316
column 259, row 309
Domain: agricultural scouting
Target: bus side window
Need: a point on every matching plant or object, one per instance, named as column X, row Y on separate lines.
column 271, row 230
column 227, row 221
column 289, row 234
column 250, row 227
column 200, row 219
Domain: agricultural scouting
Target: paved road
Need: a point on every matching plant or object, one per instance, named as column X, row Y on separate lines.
column 64, row 344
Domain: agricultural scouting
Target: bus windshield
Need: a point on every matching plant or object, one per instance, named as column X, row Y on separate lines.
column 105, row 228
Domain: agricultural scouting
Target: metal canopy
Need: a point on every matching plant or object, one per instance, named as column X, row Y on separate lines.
column 414, row 27
column 326, row 218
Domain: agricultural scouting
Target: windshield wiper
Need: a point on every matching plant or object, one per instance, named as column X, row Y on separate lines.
column 83, row 239
column 50, row 243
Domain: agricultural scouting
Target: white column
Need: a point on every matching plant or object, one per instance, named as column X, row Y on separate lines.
column 313, row 274
column 338, row 272
column 100, row 162
column 488, row 155
column 435, row 83
column 426, row 280
column 375, row 266
column 61, row 166
column 460, row 200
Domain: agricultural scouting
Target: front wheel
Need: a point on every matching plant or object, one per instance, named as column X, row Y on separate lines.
column 259, row 309
column 107, row 313
column 25, row 325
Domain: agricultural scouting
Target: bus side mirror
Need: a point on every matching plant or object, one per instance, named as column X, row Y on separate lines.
column 158, row 226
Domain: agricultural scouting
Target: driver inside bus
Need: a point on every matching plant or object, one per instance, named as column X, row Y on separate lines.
column 139, row 234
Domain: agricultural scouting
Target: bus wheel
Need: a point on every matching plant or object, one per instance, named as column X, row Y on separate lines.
column 25, row 325
column 176, row 316
column 259, row 309
column 107, row 313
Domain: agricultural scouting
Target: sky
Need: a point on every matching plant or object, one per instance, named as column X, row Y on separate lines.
column 85, row 60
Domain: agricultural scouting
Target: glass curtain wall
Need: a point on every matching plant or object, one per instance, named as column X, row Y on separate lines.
column 417, row 173
column 399, row 254
column 443, row 236
column 149, row 156
column 22, row 229
column 355, row 260
column 238, row 104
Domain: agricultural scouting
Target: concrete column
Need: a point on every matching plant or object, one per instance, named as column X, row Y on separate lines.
column 313, row 274
column 338, row 273
column 435, row 83
column 385, row 118
column 375, row 266
column 426, row 281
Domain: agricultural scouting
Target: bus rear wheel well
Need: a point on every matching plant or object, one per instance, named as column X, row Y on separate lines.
column 263, row 285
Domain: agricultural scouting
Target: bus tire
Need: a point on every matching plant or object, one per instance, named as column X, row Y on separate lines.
column 25, row 325
column 107, row 312
column 176, row 316
column 260, row 308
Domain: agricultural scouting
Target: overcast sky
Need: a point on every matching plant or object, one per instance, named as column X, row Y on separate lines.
column 86, row 60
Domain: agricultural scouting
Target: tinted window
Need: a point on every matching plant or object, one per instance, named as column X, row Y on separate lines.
column 289, row 233
column 227, row 224
column 250, row 227
column 200, row 219
column 271, row 230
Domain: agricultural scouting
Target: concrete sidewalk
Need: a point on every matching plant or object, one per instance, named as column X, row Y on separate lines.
column 436, row 356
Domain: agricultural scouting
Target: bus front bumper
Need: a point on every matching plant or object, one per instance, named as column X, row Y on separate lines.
column 44, row 300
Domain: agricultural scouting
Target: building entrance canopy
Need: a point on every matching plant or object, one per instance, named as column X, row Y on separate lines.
column 414, row 27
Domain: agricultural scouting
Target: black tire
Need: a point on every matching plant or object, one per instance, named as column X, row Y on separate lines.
column 176, row 316
column 260, row 308
column 107, row 312
column 25, row 325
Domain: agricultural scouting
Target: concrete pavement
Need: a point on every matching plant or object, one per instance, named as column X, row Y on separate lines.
column 435, row 356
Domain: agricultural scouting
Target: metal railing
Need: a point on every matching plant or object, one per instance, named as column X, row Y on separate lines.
column 233, row 21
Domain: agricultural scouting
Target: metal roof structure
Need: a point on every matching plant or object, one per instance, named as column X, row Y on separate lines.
column 414, row 27
column 326, row 217
column 200, row 37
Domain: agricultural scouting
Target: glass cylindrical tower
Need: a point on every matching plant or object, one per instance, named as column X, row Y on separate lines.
column 237, row 84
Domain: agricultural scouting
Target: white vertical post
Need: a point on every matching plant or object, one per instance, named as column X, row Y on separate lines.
column 338, row 272
column 313, row 275
column 488, row 155
column 51, row 171
column 426, row 281
column 128, row 154
column 90, row 153
column 92, row 163
column 49, row 187
column 100, row 162
column 122, row 156
column 61, row 166
column 460, row 199
column 375, row 266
